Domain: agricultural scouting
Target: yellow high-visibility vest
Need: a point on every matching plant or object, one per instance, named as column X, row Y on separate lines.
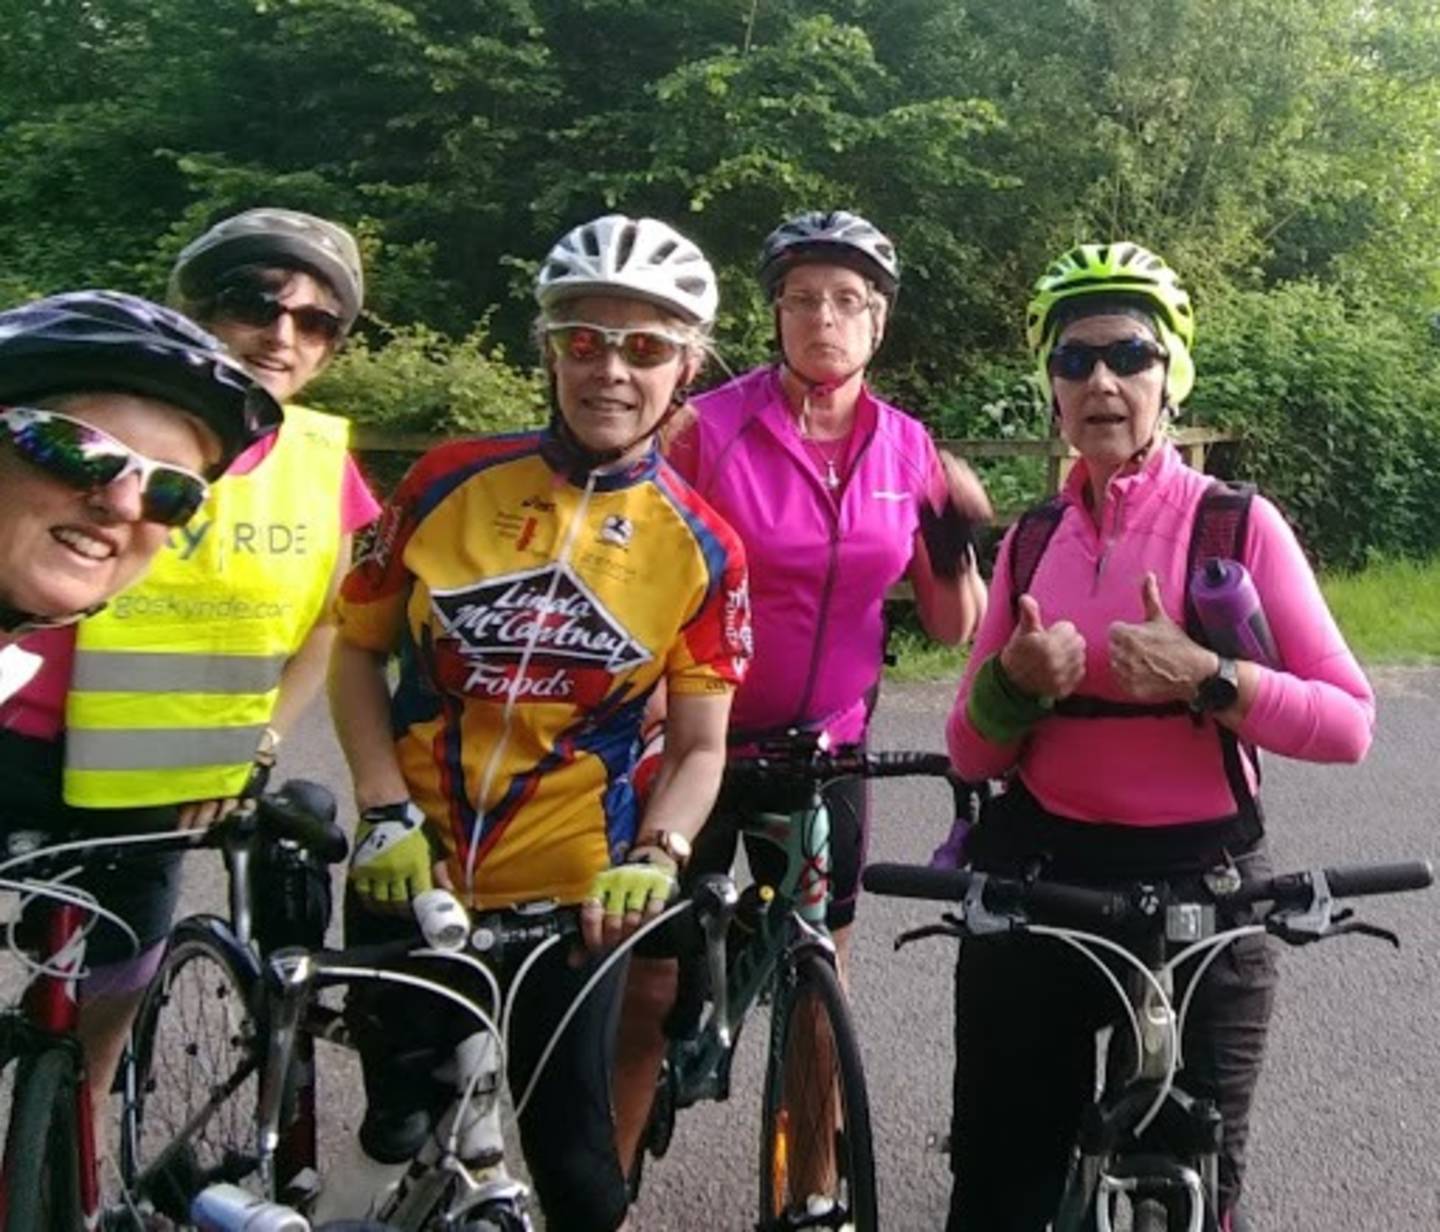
column 176, row 680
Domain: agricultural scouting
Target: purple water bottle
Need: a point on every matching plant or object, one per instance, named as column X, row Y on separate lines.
column 1229, row 608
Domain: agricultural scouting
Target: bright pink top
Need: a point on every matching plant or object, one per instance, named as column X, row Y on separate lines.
column 1162, row 771
column 820, row 562
column 38, row 710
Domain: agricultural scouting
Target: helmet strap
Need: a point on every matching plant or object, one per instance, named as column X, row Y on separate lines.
column 14, row 620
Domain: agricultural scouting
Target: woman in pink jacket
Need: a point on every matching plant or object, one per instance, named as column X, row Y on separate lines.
column 837, row 496
column 1129, row 746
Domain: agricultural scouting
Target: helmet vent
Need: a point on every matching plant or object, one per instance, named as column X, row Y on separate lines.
column 626, row 246
column 663, row 253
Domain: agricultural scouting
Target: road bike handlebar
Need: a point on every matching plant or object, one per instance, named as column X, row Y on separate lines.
column 301, row 812
column 304, row 813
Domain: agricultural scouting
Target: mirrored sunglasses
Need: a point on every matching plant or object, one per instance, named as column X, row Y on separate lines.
column 260, row 309
column 1075, row 361
column 83, row 457
column 640, row 348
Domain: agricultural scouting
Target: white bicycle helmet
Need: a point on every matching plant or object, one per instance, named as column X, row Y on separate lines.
column 642, row 258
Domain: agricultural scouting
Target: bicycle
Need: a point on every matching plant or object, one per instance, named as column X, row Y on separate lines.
column 1145, row 1142
column 172, row 1145
column 241, row 1122
column 50, row 1173
column 771, row 944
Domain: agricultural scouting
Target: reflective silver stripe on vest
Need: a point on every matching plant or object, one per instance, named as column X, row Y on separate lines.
column 162, row 748
column 138, row 671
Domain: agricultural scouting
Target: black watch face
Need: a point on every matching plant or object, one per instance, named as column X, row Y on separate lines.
column 1220, row 691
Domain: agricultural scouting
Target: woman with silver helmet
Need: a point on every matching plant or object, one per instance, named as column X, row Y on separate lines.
column 837, row 496
column 116, row 415
column 537, row 588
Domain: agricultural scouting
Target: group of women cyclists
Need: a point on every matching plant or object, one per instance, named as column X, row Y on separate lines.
column 542, row 592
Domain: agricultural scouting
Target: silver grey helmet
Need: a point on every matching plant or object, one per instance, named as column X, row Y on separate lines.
column 273, row 236
column 835, row 237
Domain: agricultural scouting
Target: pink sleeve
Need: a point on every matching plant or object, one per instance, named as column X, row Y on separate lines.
column 974, row 757
column 1319, row 707
column 358, row 506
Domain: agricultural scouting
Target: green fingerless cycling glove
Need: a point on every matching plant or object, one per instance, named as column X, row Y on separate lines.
column 998, row 710
column 632, row 887
column 392, row 858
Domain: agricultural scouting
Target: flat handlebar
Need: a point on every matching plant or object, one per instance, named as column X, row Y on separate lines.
column 1086, row 906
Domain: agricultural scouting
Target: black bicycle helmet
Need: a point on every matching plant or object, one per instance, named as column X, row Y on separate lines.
column 837, row 237
column 271, row 236
column 106, row 340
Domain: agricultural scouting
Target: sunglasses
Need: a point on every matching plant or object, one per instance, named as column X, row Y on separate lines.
column 640, row 348
column 260, row 309
column 1076, row 360
column 82, row 457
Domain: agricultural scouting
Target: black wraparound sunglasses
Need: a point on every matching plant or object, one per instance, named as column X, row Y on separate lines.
column 1076, row 360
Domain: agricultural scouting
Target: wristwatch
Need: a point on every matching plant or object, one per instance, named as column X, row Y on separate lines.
column 1218, row 692
column 671, row 842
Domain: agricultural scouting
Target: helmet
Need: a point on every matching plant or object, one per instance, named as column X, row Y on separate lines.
column 273, row 237
column 86, row 340
column 1123, row 271
column 641, row 258
column 838, row 236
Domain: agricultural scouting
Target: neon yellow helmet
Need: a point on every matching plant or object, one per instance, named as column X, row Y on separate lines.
column 1122, row 271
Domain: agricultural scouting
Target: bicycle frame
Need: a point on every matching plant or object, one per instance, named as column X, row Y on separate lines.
column 794, row 917
column 1124, row 1146
column 48, row 1015
column 462, row 1164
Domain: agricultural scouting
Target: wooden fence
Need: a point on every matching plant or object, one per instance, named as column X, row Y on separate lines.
column 1193, row 443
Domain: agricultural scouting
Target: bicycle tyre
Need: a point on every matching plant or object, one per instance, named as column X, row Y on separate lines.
column 44, row 1148
column 795, row 1071
column 197, row 1048
column 1150, row 1216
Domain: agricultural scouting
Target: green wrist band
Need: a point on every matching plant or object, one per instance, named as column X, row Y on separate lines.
column 998, row 710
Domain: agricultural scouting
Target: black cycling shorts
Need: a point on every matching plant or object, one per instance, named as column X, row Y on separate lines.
column 848, row 802
column 142, row 891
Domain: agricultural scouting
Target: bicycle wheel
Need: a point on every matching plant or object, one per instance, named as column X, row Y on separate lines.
column 817, row 1164
column 43, row 1151
column 197, row 1050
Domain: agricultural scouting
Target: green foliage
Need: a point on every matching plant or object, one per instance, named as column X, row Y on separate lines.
column 1336, row 405
column 421, row 381
column 1283, row 154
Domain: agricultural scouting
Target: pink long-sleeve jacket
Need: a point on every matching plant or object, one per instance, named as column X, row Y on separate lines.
column 820, row 562
column 1154, row 771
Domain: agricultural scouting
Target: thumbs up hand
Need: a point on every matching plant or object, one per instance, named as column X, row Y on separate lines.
column 1155, row 660
column 1043, row 662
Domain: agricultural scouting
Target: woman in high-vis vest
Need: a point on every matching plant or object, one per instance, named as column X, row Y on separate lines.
column 163, row 702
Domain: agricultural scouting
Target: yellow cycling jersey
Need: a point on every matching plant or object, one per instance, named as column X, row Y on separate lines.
column 495, row 577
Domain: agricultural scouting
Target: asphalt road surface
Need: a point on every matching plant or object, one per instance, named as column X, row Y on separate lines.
column 1346, row 1132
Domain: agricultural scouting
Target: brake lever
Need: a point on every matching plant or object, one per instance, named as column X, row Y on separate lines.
column 952, row 926
column 1339, row 924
